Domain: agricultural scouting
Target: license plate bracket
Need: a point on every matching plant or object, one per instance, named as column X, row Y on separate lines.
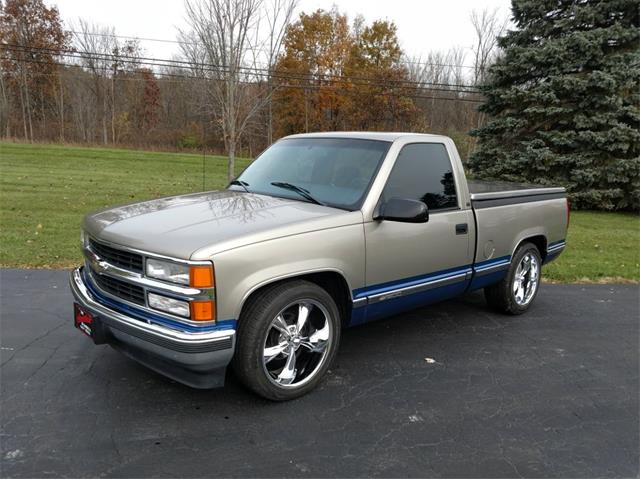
column 89, row 324
column 83, row 320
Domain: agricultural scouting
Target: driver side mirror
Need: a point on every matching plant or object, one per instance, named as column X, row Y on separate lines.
column 403, row 210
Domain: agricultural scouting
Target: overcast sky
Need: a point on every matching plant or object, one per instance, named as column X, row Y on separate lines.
column 423, row 25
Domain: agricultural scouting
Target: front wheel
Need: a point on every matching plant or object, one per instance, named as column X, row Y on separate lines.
column 515, row 293
column 288, row 336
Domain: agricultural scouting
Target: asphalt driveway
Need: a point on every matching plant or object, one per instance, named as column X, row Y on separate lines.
column 452, row 390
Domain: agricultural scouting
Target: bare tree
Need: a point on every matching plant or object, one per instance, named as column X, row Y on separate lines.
column 488, row 26
column 226, row 29
column 440, row 75
column 106, row 57
column 59, row 99
column 81, row 103
column 278, row 14
column 5, row 107
column 95, row 43
column 455, row 65
column 124, row 59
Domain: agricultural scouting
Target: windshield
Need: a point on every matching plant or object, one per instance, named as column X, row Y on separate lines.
column 334, row 171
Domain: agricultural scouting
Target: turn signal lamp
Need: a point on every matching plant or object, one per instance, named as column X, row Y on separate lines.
column 201, row 276
column 203, row 310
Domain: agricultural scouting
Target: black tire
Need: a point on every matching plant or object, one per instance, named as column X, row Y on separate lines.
column 255, row 324
column 500, row 296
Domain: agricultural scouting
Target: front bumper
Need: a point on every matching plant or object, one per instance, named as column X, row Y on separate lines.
column 197, row 359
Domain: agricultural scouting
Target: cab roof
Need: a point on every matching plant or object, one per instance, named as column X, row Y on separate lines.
column 380, row 136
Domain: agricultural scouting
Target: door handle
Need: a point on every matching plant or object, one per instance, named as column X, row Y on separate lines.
column 462, row 229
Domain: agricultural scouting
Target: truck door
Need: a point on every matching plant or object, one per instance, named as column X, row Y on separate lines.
column 413, row 264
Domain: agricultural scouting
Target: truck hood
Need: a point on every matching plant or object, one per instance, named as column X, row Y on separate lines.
column 197, row 226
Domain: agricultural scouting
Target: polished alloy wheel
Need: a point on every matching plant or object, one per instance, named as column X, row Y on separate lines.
column 297, row 343
column 526, row 278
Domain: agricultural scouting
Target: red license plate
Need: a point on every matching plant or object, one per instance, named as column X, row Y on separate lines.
column 83, row 320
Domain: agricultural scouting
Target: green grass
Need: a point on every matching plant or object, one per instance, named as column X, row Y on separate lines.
column 601, row 247
column 45, row 191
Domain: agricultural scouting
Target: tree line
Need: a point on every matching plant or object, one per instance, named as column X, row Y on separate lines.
column 247, row 72
column 553, row 99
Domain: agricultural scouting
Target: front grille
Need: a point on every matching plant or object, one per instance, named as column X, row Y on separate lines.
column 124, row 290
column 119, row 258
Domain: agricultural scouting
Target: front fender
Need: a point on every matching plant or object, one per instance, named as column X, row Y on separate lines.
column 241, row 271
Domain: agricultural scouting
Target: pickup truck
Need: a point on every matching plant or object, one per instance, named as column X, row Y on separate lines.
column 322, row 231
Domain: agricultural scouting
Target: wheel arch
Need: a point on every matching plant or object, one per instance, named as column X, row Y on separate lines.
column 332, row 281
column 539, row 240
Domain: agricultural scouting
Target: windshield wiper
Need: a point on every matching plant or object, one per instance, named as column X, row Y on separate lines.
column 240, row 183
column 299, row 190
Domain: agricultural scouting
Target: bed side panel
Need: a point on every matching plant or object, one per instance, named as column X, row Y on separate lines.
column 502, row 228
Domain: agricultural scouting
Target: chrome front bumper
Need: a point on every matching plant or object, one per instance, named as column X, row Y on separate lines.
column 195, row 359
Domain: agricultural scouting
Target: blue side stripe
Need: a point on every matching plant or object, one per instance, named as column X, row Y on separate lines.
column 554, row 244
column 396, row 305
column 443, row 274
column 439, row 275
column 493, row 261
column 409, row 282
column 157, row 319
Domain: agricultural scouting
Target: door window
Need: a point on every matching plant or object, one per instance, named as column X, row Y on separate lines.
column 423, row 172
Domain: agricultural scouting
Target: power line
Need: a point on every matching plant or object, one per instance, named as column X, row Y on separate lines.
column 255, row 71
column 279, row 86
column 258, row 71
column 182, row 42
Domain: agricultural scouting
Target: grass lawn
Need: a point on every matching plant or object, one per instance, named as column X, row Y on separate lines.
column 601, row 247
column 45, row 190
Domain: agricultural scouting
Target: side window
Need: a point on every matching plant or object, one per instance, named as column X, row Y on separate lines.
column 423, row 172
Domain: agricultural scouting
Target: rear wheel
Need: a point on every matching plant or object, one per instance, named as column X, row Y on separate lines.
column 288, row 336
column 516, row 292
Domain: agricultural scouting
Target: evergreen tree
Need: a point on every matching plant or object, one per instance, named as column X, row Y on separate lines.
column 563, row 102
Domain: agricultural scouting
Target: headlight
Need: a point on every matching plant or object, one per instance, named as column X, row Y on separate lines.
column 198, row 276
column 170, row 305
column 169, row 271
column 198, row 310
column 83, row 239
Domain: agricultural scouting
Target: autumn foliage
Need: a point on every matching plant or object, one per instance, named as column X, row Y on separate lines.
column 333, row 76
column 33, row 36
column 83, row 83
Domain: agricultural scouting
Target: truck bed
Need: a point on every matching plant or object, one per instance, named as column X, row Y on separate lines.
column 486, row 194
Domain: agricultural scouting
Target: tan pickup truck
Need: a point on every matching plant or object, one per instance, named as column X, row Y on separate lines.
column 320, row 232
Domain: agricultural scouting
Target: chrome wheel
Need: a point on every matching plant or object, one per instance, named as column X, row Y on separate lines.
column 297, row 343
column 526, row 278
